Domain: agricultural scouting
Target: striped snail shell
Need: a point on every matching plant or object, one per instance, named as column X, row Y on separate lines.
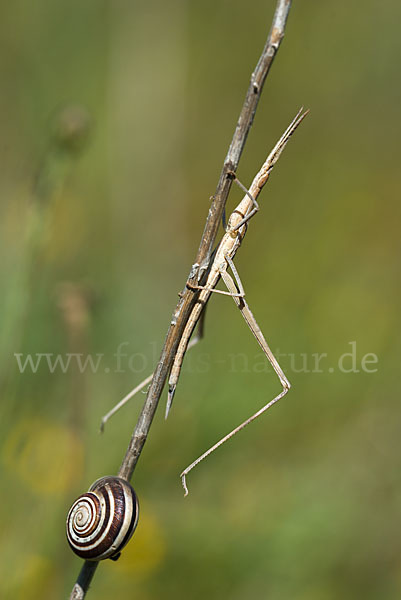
column 101, row 522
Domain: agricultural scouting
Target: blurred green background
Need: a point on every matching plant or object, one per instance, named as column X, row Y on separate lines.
column 115, row 118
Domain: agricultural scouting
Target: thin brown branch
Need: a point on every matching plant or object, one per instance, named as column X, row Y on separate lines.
column 83, row 580
column 199, row 268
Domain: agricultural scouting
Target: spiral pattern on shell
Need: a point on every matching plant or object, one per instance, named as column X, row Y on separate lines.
column 101, row 522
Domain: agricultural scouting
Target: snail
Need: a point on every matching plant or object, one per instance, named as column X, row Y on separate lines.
column 100, row 522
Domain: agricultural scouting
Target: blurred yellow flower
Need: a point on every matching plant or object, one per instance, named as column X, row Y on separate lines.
column 46, row 456
column 147, row 549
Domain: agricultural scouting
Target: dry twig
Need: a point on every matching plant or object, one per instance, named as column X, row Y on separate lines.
column 200, row 266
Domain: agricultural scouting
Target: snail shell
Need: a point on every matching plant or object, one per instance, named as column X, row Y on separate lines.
column 101, row 522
